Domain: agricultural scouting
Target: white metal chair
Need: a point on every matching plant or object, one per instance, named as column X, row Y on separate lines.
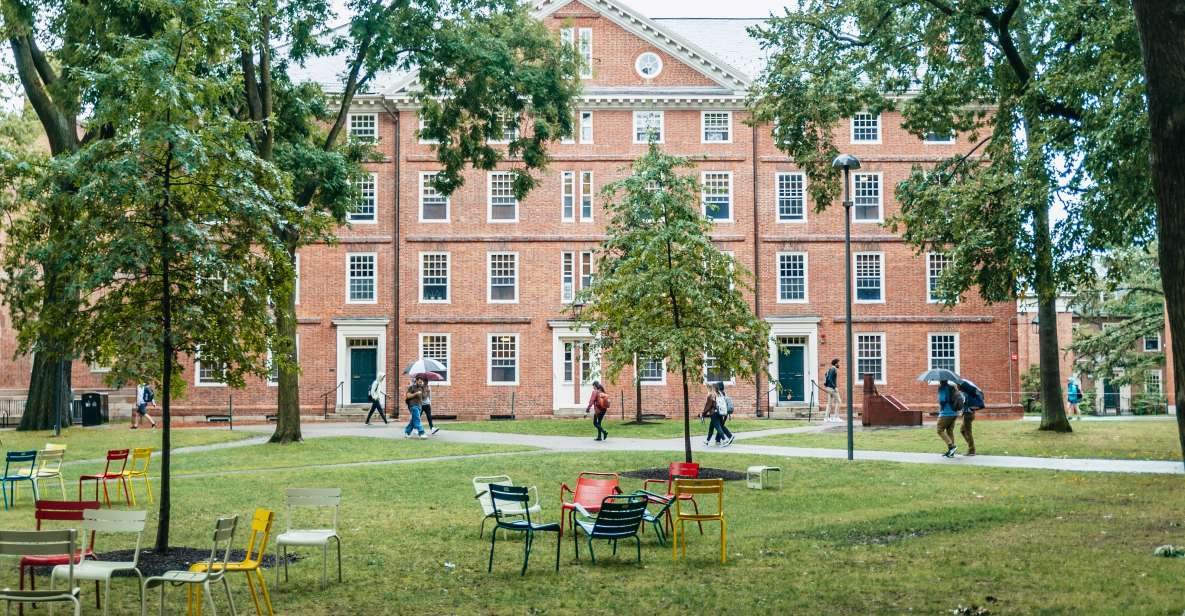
column 311, row 498
column 108, row 521
column 224, row 533
column 481, row 489
column 20, row 543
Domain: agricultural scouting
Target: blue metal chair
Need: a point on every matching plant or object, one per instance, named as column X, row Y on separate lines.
column 514, row 501
column 659, row 518
column 18, row 466
column 620, row 517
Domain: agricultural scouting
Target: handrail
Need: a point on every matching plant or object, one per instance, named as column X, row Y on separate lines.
column 325, row 399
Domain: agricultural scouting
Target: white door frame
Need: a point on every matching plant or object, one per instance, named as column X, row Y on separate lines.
column 561, row 394
column 800, row 327
column 358, row 328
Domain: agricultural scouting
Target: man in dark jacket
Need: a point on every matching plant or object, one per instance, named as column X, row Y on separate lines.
column 973, row 402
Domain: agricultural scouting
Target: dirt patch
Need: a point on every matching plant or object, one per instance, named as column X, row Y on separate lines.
column 704, row 473
column 176, row 559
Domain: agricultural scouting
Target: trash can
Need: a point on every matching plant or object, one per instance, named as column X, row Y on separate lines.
column 92, row 409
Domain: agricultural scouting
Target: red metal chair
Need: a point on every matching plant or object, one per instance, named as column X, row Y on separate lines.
column 591, row 489
column 676, row 470
column 66, row 511
column 115, row 455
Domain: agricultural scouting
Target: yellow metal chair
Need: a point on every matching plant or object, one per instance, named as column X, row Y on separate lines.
column 698, row 487
column 141, row 460
column 261, row 532
column 49, row 466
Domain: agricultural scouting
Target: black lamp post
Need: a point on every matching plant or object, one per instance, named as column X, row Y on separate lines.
column 847, row 162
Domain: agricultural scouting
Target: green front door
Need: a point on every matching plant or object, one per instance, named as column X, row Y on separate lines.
column 791, row 375
column 363, row 364
column 1110, row 396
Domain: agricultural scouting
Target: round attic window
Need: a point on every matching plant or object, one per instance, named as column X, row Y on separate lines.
column 648, row 65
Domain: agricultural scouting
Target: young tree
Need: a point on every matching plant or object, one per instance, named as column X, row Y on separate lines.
column 477, row 63
column 169, row 239
column 662, row 284
column 1162, row 39
column 1049, row 93
column 1124, row 306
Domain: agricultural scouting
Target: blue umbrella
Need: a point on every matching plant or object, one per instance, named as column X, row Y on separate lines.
column 939, row 374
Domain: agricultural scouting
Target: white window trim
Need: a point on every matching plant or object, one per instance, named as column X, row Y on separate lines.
column 518, row 354
column 448, row 203
column 296, row 290
column 580, row 126
column 592, row 194
column 490, row 200
column 638, row 370
column 806, row 277
column 490, row 277
column 703, row 200
column 884, row 352
column 582, row 35
column 564, row 175
column 880, row 130
column 855, row 277
column 421, row 127
column 448, row 351
column 703, row 127
column 197, row 372
column 704, row 376
column 662, row 126
column 638, row 68
column 1159, row 344
column 930, row 349
column 448, row 272
column 374, row 220
column 97, row 369
column 575, row 275
column 949, row 140
column 880, row 199
column 376, row 277
column 929, row 298
column 276, row 383
column 777, row 206
column 350, row 124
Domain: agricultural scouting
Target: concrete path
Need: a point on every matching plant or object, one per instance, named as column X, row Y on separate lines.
column 574, row 443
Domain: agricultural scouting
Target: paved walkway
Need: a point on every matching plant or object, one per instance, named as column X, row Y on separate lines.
column 574, row 443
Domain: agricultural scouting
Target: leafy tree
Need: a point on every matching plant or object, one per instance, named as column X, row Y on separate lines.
column 1049, row 93
column 1128, row 299
column 168, row 244
column 1162, row 39
column 478, row 63
column 662, row 284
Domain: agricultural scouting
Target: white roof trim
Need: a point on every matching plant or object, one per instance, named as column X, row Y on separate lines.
column 689, row 53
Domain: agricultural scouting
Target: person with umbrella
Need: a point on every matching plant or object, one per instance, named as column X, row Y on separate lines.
column 972, row 401
column 948, row 405
column 378, row 392
column 414, row 398
column 429, row 370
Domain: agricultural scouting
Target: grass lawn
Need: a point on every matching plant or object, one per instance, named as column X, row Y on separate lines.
column 841, row 538
column 92, row 443
column 668, row 428
column 1122, row 440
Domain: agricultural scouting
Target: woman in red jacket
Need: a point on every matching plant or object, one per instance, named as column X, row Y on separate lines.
column 599, row 402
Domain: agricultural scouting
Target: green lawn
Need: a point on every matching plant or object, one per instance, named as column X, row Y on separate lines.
column 91, row 443
column 1124, row 440
column 669, row 428
column 841, row 538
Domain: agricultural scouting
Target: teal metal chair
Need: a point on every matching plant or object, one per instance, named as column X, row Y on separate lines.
column 620, row 517
column 513, row 501
column 660, row 517
column 18, row 466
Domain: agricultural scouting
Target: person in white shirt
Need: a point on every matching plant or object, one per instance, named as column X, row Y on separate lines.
column 144, row 397
column 378, row 392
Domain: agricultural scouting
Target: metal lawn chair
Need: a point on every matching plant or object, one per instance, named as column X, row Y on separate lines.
column 18, row 466
column 140, row 461
column 119, row 456
column 516, row 498
column 36, row 543
column 261, row 530
column 312, row 498
column 108, row 521
column 619, row 517
column 481, row 489
column 224, row 533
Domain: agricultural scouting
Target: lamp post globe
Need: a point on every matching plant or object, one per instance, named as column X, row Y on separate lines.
column 847, row 162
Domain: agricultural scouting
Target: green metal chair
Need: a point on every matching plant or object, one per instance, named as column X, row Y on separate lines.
column 620, row 517
column 513, row 501
column 660, row 517
column 18, row 466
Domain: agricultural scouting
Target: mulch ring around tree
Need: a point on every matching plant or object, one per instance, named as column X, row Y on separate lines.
column 704, row 473
column 176, row 559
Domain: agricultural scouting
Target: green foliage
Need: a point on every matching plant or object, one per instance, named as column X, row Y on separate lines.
column 1116, row 313
column 662, row 288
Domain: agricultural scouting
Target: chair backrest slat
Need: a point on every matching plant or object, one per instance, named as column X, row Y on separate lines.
column 683, row 470
column 261, row 530
column 70, row 511
column 592, row 488
column 141, row 459
column 313, row 498
column 50, row 460
column 518, row 496
column 620, row 516
column 481, row 490
column 700, row 486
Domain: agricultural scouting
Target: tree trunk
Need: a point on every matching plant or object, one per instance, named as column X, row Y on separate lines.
column 1162, row 38
column 49, row 383
column 686, row 409
column 288, row 394
column 167, row 360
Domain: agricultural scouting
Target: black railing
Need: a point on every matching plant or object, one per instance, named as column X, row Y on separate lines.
column 325, row 399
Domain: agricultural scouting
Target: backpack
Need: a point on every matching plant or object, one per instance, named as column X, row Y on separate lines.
column 148, row 395
column 602, row 402
column 723, row 405
column 957, row 400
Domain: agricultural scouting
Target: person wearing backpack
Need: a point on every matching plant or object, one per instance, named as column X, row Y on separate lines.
column 598, row 402
column 377, row 395
column 972, row 401
column 949, row 403
column 718, row 407
column 144, row 397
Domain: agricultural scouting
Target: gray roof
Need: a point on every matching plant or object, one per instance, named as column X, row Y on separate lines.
column 725, row 38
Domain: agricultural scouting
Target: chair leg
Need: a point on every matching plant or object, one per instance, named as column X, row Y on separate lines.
column 493, row 540
column 130, row 491
column 325, row 564
column 723, row 541
column 148, row 487
column 210, row 597
column 481, row 530
column 696, row 507
column 285, row 565
column 557, row 552
column 591, row 553
column 254, row 596
column 106, row 596
column 162, row 598
column 526, row 552
column 229, row 599
column 267, row 598
column 106, row 494
column 62, row 485
column 638, row 540
column 576, row 543
column 338, row 540
column 127, row 490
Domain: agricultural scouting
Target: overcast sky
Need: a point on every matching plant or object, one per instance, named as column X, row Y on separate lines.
column 707, row 8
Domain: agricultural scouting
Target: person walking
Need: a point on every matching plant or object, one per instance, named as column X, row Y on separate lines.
column 716, row 407
column 831, row 391
column 972, row 401
column 414, row 399
column 426, row 407
column 598, row 402
column 947, row 414
column 1074, row 396
column 144, row 397
column 378, row 394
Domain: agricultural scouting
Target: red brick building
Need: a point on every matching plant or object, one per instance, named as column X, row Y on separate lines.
column 479, row 280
